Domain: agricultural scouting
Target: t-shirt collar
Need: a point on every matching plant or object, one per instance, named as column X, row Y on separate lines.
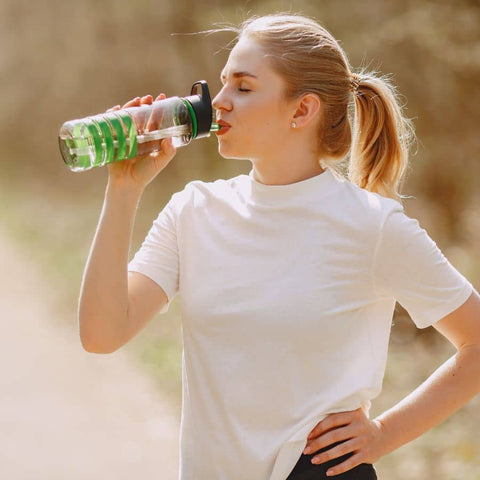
column 313, row 187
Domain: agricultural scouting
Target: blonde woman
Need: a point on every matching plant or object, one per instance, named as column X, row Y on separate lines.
column 287, row 276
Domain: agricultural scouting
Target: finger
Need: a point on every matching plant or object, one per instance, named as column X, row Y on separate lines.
column 147, row 100
column 351, row 462
column 315, row 432
column 156, row 116
column 157, row 148
column 331, row 437
column 135, row 102
column 116, row 107
column 336, row 451
column 140, row 116
column 334, row 420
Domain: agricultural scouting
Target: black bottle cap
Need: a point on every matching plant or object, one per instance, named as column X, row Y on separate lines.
column 201, row 103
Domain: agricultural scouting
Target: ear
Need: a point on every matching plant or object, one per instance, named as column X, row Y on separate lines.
column 308, row 109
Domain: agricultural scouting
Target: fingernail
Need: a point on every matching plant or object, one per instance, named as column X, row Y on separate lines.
column 330, row 473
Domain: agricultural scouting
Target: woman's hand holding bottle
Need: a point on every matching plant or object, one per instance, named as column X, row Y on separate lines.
column 144, row 167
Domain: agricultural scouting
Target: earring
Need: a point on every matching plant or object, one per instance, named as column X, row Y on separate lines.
column 294, row 125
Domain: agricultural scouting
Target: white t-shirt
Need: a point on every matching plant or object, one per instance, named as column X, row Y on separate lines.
column 287, row 295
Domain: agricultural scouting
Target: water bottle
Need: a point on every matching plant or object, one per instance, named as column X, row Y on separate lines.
column 114, row 136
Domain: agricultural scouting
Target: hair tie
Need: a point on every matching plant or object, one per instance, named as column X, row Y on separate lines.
column 354, row 83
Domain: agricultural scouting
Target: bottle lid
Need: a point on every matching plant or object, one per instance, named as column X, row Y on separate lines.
column 201, row 103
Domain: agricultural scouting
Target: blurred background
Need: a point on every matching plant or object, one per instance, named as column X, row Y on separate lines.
column 62, row 59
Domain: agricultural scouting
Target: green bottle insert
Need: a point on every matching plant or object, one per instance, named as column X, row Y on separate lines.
column 98, row 140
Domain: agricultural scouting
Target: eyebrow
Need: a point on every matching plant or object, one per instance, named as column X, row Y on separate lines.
column 239, row 75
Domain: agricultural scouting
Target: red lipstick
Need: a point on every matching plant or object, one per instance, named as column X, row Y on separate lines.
column 224, row 127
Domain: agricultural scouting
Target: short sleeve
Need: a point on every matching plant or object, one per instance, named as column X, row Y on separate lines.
column 410, row 267
column 158, row 256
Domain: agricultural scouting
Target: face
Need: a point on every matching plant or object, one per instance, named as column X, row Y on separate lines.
column 252, row 105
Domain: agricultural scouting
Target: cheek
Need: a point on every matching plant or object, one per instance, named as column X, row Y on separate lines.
column 261, row 125
column 271, row 126
column 270, row 115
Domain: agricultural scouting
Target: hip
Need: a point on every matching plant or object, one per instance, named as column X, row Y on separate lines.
column 306, row 470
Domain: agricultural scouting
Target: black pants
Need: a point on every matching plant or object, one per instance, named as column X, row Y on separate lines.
column 306, row 470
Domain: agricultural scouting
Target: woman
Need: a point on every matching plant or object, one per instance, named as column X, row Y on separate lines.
column 288, row 277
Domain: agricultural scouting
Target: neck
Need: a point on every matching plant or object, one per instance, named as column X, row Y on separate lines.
column 289, row 170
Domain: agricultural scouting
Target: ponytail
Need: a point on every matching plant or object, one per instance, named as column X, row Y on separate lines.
column 381, row 137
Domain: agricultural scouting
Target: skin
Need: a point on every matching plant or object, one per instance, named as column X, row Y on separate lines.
column 252, row 101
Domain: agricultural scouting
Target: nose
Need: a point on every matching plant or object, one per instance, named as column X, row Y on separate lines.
column 221, row 101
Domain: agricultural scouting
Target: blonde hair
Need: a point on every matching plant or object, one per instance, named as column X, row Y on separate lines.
column 310, row 60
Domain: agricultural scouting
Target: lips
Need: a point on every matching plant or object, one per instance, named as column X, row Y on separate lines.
column 224, row 127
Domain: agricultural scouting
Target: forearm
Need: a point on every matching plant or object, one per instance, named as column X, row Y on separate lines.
column 444, row 392
column 103, row 306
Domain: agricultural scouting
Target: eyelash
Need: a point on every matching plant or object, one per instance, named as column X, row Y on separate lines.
column 243, row 90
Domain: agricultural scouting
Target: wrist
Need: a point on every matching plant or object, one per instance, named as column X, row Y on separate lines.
column 121, row 190
column 383, row 443
column 390, row 437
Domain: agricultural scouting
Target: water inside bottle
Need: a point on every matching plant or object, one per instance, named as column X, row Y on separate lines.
column 175, row 131
column 98, row 140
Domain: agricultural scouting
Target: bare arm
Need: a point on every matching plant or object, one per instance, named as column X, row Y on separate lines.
column 113, row 305
column 448, row 388
column 444, row 392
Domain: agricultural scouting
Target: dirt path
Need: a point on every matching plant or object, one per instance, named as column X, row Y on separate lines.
column 64, row 413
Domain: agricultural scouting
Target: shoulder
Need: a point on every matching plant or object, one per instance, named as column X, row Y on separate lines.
column 389, row 227
column 365, row 206
column 199, row 193
column 217, row 187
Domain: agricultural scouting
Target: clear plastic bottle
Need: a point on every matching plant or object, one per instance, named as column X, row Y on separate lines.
column 120, row 134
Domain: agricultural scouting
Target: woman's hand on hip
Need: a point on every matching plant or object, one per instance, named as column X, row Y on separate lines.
column 360, row 437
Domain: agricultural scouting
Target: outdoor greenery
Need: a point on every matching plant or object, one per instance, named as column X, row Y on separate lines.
column 61, row 59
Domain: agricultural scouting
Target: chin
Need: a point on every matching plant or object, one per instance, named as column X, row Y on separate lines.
column 231, row 153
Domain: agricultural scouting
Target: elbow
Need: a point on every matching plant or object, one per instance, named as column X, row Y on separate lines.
column 94, row 340
column 92, row 346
